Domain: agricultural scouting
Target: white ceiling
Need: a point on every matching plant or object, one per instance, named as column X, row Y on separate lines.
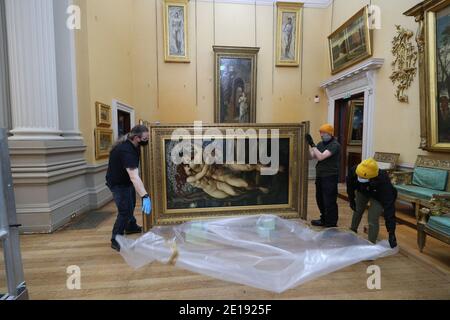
column 308, row 3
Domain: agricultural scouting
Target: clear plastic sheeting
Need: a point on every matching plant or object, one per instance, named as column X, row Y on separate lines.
column 265, row 252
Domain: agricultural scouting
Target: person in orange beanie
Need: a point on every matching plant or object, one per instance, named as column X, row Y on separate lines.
column 327, row 153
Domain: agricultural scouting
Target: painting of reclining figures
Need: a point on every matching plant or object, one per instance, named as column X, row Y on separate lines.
column 190, row 185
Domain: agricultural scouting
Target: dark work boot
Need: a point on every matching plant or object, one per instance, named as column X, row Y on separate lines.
column 392, row 240
column 133, row 230
column 317, row 223
column 115, row 245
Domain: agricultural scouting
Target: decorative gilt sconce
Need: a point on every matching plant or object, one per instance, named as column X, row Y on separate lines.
column 404, row 64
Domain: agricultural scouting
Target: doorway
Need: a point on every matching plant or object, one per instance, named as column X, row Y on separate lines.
column 349, row 128
column 123, row 118
column 123, row 123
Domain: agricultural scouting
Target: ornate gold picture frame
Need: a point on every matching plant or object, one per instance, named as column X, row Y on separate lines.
column 351, row 42
column 235, row 79
column 437, row 24
column 289, row 34
column 104, row 139
column 144, row 169
column 103, row 115
column 179, row 194
column 433, row 43
column 176, row 36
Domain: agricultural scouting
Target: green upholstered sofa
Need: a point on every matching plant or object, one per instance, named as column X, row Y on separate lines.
column 430, row 177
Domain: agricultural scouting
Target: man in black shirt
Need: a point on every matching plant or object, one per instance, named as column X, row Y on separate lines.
column 327, row 152
column 123, row 180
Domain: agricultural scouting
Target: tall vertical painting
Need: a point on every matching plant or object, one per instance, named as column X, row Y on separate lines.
column 442, row 130
column 289, row 30
column 176, row 31
column 235, row 84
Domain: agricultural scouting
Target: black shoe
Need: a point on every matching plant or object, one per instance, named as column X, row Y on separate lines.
column 135, row 229
column 320, row 223
column 317, row 223
column 392, row 240
column 115, row 245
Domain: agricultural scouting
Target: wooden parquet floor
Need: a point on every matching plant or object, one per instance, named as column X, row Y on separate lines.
column 105, row 275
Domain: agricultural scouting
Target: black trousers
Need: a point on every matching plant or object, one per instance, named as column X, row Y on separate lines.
column 125, row 199
column 326, row 197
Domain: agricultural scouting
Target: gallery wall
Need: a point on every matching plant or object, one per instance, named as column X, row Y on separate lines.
column 185, row 92
column 104, row 47
column 397, row 125
column 120, row 56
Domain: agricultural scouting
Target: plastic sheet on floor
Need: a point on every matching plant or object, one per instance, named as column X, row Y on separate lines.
column 265, row 252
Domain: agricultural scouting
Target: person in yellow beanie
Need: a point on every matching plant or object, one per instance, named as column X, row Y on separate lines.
column 327, row 153
column 366, row 183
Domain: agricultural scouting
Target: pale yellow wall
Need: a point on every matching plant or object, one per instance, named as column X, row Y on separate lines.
column 104, row 46
column 185, row 92
column 121, row 56
column 144, row 66
column 397, row 125
column 86, row 120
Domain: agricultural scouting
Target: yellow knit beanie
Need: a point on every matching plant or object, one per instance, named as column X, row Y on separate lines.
column 327, row 128
column 368, row 169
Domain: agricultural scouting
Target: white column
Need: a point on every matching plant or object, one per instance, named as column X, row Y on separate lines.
column 66, row 72
column 31, row 49
column 5, row 105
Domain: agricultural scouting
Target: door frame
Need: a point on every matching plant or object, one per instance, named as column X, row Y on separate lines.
column 116, row 106
column 358, row 80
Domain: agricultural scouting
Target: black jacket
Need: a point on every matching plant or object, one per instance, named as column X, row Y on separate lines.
column 379, row 188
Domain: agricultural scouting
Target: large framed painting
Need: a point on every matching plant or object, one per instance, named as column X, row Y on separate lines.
column 433, row 40
column 176, row 48
column 351, row 42
column 289, row 33
column 227, row 170
column 437, row 20
column 103, row 141
column 355, row 123
column 235, row 84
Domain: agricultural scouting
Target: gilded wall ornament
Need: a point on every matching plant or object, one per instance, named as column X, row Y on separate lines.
column 404, row 64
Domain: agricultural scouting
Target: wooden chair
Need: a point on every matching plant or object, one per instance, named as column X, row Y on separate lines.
column 387, row 161
column 434, row 221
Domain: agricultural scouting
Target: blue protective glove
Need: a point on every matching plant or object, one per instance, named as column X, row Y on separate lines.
column 146, row 205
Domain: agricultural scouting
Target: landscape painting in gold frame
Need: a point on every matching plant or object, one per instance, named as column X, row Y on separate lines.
column 103, row 115
column 104, row 139
column 176, row 48
column 185, row 191
column 351, row 42
column 289, row 33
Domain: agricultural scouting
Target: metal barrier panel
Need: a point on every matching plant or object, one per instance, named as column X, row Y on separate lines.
column 9, row 229
column 3, row 282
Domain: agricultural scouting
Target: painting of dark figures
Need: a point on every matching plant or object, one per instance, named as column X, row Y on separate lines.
column 235, row 90
column 443, row 80
column 190, row 185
